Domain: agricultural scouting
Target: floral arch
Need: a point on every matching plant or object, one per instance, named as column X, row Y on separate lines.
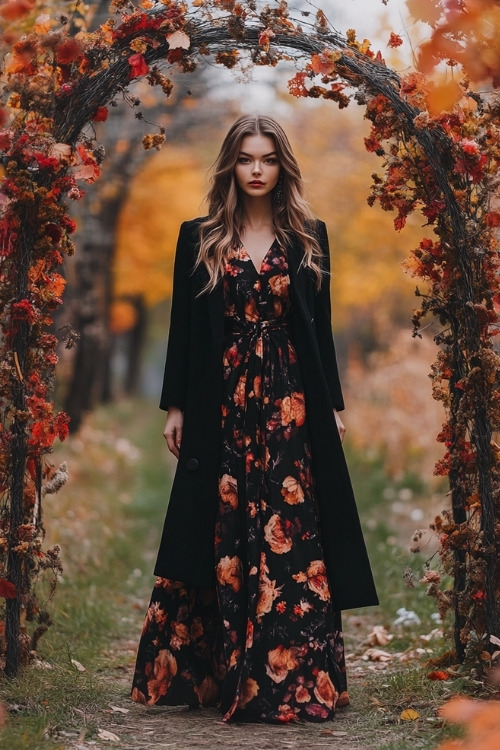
column 438, row 157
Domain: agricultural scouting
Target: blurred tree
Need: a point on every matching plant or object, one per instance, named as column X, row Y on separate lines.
column 167, row 190
column 371, row 292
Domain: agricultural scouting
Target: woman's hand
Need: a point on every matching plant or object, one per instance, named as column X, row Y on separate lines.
column 173, row 430
column 340, row 425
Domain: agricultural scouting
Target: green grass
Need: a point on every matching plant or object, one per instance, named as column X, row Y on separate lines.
column 104, row 519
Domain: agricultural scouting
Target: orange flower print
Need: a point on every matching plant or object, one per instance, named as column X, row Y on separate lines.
column 286, row 713
column 229, row 572
column 251, row 311
column 239, row 393
column 292, row 491
column 180, row 635
column 275, row 534
column 293, row 408
column 156, row 615
column 279, row 285
column 207, row 691
column 280, row 661
column 268, row 592
column 317, row 580
column 256, row 386
column 324, row 689
column 249, row 690
column 164, row 671
column 249, row 636
column 302, row 695
column 259, row 347
column 299, row 577
column 228, row 491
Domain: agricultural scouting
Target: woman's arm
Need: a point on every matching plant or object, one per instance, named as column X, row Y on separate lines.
column 175, row 378
column 323, row 324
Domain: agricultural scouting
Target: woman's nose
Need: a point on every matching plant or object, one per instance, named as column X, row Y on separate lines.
column 256, row 168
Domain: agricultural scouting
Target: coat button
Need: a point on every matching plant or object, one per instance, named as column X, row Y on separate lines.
column 192, row 464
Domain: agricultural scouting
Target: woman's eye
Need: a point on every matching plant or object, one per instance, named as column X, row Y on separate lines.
column 243, row 160
column 271, row 161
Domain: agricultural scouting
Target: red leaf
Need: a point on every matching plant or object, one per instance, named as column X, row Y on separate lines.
column 7, row 589
column 16, row 9
column 394, row 40
column 68, row 51
column 100, row 115
column 438, row 675
column 138, row 65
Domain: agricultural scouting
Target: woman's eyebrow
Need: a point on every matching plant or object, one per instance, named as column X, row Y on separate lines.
column 264, row 156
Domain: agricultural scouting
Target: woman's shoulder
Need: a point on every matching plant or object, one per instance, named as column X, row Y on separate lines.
column 192, row 226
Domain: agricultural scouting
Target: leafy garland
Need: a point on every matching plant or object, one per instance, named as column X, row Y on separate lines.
column 440, row 163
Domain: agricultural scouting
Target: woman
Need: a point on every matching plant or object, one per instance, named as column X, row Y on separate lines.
column 262, row 546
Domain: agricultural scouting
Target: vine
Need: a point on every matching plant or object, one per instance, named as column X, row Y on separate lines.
column 441, row 163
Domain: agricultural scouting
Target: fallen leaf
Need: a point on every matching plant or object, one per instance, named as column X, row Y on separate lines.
column 78, row 665
column 103, row 734
column 379, row 636
column 438, row 675
column 409, row 714
column 376, row 654
column 119, row 709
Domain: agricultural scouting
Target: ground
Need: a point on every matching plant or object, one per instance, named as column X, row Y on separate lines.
column 75, row 695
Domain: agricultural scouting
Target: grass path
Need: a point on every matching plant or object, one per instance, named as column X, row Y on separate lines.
column 108, row 521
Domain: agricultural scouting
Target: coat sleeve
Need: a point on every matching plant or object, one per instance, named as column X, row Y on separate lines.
column 175, row 378
column 323, row 324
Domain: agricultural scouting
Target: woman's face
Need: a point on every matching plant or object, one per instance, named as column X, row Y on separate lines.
column 257, row 167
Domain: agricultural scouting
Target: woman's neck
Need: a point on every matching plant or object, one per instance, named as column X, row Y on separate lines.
column 257, row 213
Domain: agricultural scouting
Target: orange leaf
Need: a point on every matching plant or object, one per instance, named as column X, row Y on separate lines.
column 443, row 97
column 409, row 714
column 438, row 675
column 16, row 9
column 324, row 63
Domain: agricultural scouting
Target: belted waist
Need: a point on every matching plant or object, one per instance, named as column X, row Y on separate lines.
column 236, row 325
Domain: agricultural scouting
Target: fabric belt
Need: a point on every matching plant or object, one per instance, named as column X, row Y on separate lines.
column 232, row 325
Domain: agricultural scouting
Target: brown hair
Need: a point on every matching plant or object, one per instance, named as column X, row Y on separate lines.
column 291, row 215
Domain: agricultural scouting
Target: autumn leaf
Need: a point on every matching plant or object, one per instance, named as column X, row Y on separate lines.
column 7, row 589
column 443, row 97
column 429, row 11
column 438, row 675
column 324, row 63
column 16, row 9
column 138, row 65
column 296, row 85
column 68, row 51
column 265, row 37
column 409, row 714
column 394, row 40
column 178, row 40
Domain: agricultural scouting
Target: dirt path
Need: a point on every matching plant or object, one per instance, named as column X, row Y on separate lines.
column 135, row 727
column 139, row 727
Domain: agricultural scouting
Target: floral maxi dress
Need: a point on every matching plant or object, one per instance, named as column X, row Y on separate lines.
column 265, row 645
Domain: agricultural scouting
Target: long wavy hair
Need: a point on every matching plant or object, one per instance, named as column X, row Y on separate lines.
column 292, row 217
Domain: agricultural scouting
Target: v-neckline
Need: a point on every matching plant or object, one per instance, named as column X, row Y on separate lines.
column 257, row 270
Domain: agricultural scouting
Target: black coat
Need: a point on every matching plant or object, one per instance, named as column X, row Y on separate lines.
column 193, row 382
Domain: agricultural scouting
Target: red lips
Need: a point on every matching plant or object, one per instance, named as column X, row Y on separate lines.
column 256, row 183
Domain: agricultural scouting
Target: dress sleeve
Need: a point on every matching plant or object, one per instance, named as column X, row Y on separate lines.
column 175, row 378
column 323, row 324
